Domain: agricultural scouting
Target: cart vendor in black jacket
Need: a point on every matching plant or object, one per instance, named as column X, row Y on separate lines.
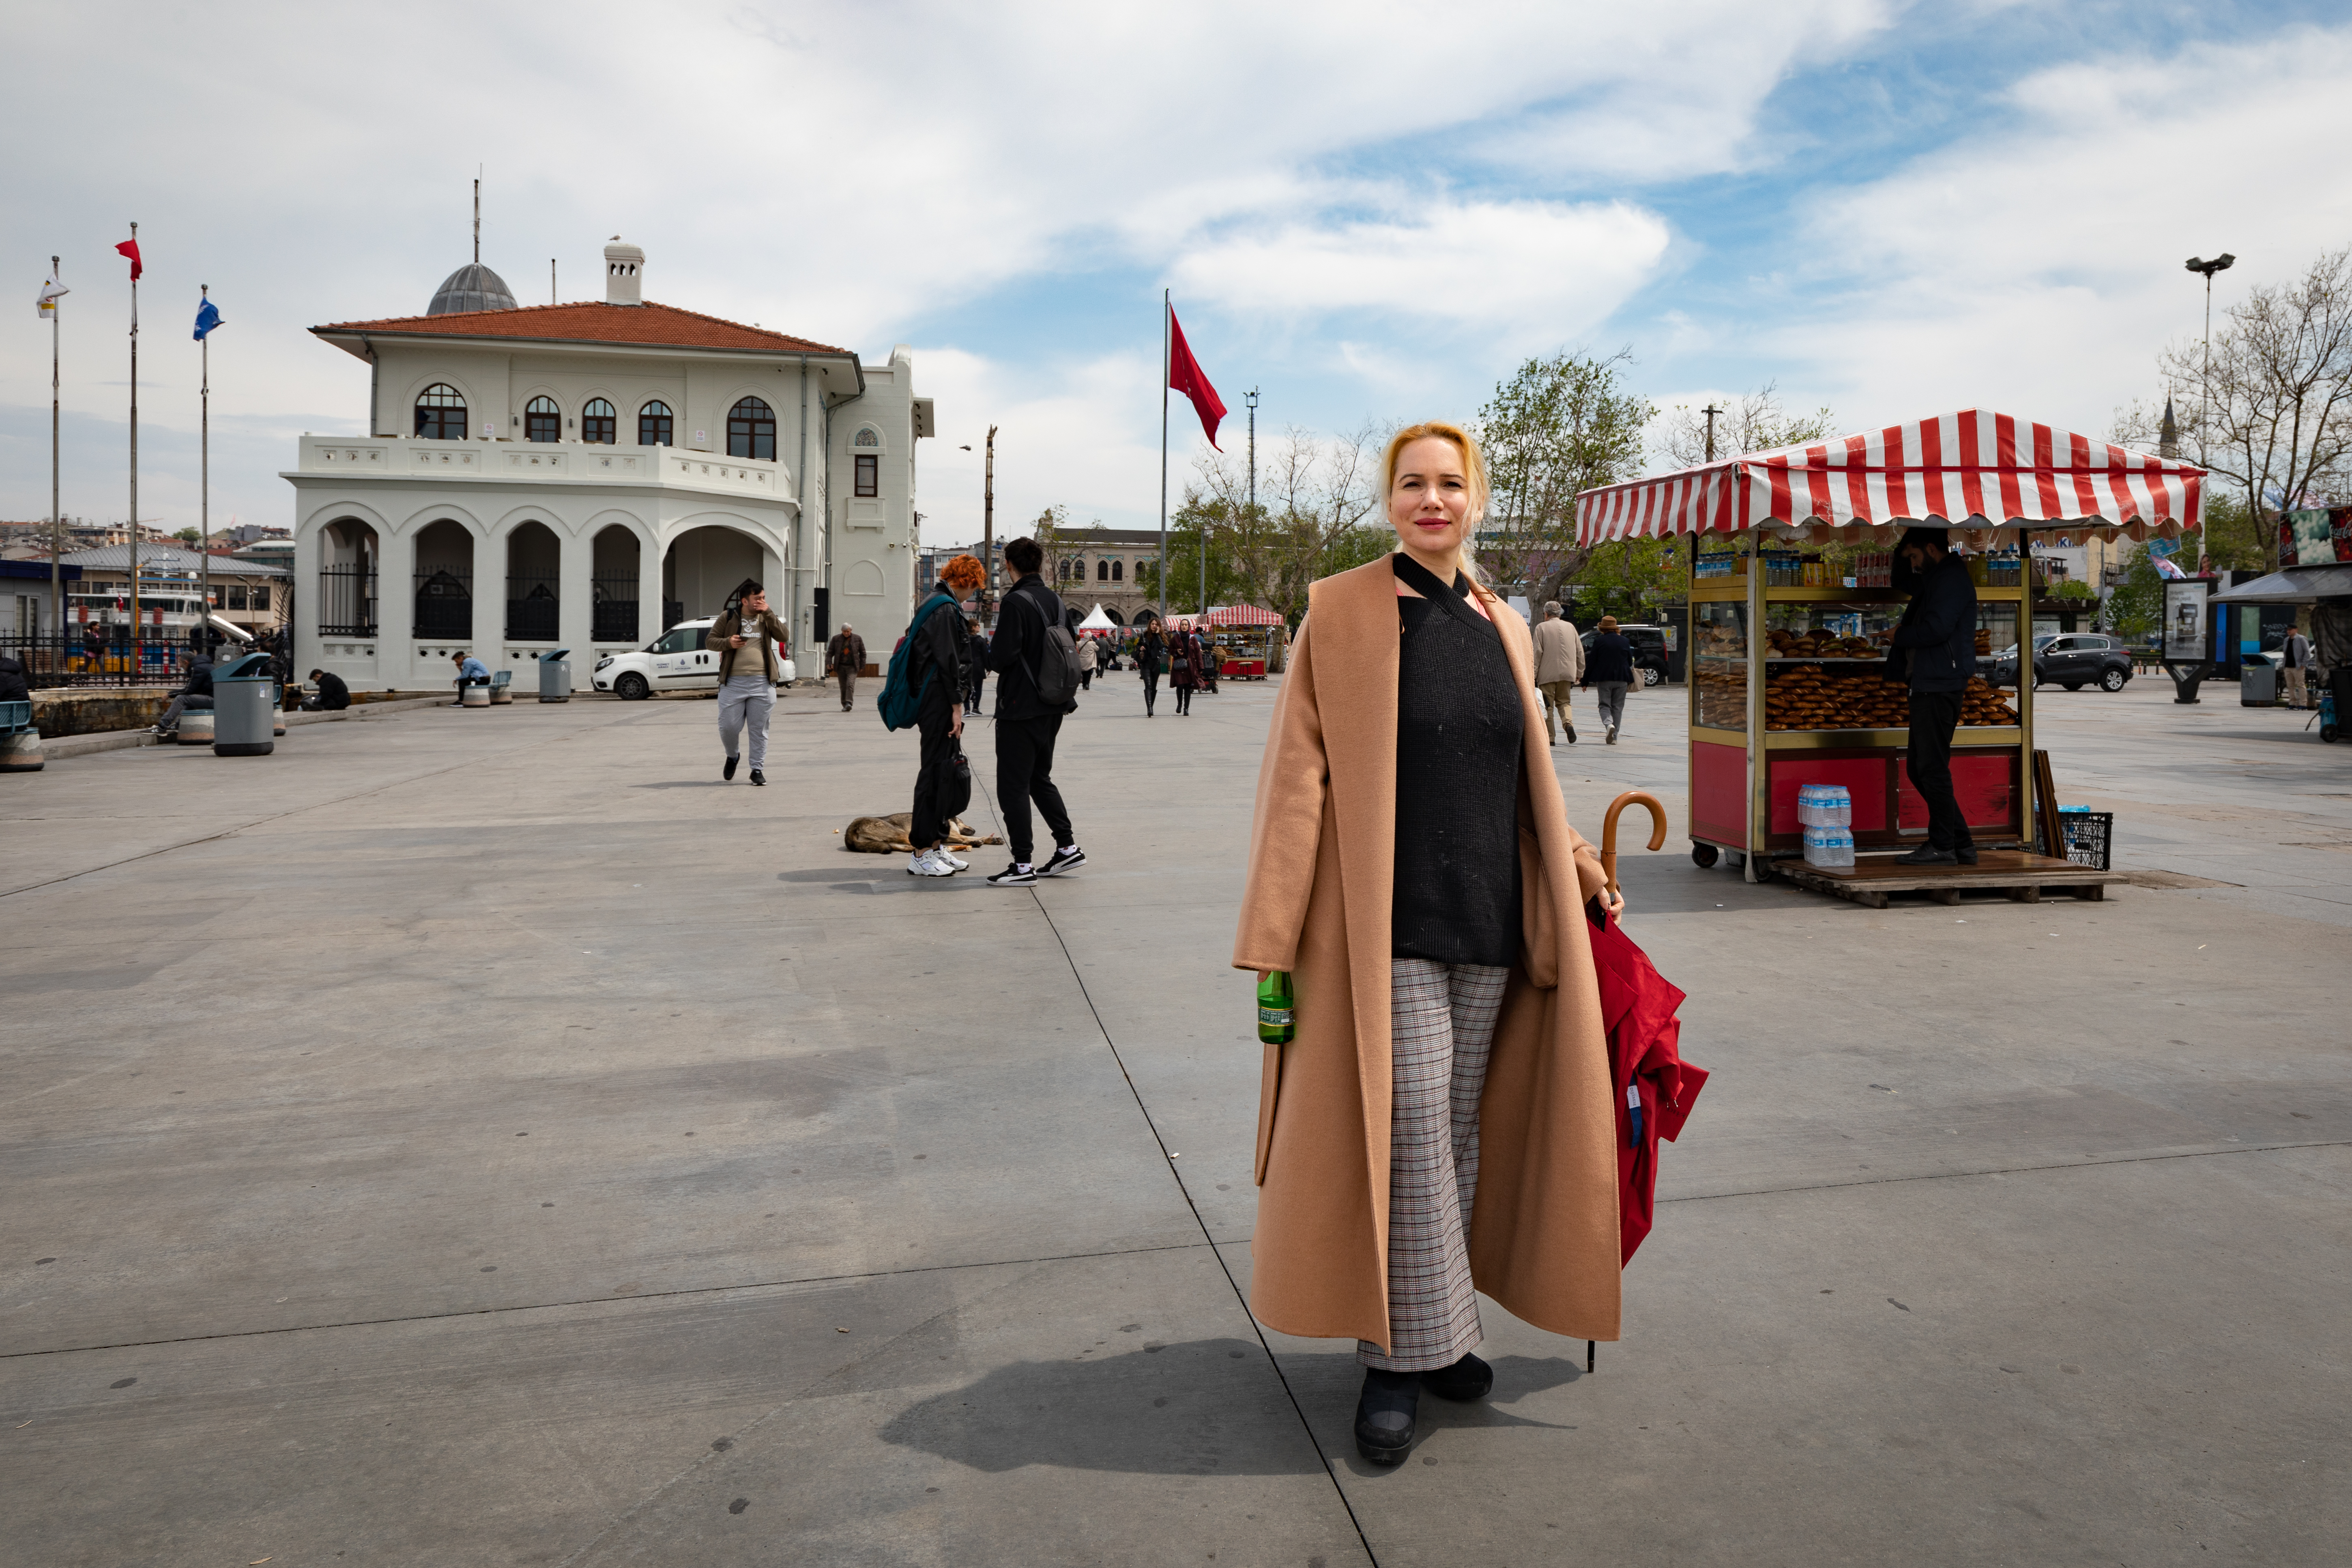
column 1937, row 642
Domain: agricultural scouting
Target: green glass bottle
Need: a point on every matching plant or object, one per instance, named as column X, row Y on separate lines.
column 1275, row 1016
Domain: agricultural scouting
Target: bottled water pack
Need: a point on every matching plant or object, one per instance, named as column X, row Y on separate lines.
column 1824, row 805
column 1829, row 846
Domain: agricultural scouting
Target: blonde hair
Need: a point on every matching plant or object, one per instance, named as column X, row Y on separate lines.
column 1473, row 475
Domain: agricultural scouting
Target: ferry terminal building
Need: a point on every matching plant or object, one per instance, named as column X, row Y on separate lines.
column 584, row 476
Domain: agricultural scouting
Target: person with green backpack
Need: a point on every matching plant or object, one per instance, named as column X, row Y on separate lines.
column 924, row 690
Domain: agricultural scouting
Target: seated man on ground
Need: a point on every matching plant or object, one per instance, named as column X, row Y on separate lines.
column 332, row 696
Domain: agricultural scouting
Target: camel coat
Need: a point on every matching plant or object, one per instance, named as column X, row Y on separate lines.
column 1544, row 1232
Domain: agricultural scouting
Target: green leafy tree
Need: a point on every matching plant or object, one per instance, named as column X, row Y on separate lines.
column 2136, row 607
column 1556, row 427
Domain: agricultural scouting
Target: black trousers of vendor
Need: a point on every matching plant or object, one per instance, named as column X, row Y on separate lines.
column 934, row 720
column 1934, row 716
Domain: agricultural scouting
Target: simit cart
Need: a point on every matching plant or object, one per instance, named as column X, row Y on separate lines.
column 1788, row 679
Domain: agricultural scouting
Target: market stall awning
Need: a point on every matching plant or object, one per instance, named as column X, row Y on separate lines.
column 1097, row 621
column 1975, row 471
column 1239, row 615
column 2294, row 586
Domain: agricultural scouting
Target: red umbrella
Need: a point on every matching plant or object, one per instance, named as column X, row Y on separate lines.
column 1654, row 1087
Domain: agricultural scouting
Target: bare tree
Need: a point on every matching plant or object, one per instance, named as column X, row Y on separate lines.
column 2275, row 413
column 1314, row 497
column 1755, row 422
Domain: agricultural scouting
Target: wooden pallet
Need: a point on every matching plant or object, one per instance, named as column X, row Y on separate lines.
column 2017, row 873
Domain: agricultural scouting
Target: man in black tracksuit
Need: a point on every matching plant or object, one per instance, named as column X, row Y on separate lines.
column 1937, row 639
column 1025, row 726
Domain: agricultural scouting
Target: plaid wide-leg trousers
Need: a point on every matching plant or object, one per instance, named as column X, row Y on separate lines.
column 1441, row 1027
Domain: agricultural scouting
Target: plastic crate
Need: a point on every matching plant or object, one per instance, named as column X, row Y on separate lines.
column 2090, row 836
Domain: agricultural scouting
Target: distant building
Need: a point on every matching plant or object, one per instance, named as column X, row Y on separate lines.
column 246, row 594
column 1091, row 567
column 586, row 475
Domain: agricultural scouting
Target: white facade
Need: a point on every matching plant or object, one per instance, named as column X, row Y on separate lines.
column 409, row 547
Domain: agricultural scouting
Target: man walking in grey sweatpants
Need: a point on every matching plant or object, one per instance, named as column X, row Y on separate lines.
column 746, row 687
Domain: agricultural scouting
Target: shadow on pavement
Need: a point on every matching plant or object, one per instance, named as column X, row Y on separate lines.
column 1206, row 1408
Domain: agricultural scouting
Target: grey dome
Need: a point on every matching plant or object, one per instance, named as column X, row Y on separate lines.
column 473, row 286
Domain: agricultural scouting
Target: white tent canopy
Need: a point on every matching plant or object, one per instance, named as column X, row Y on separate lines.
column 1097, row 621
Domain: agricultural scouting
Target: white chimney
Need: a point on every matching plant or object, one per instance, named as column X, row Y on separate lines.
column 623, row 267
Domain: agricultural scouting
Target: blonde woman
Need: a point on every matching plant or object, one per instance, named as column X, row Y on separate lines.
column 1442, row 1123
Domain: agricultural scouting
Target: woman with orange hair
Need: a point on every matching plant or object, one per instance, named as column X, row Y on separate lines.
column 938, row 666
column 1441, row 1123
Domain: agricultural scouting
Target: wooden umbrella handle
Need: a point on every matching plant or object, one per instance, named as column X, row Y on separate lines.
column 1609, row 831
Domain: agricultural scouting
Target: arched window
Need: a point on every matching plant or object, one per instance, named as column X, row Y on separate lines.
column 441, row 412
column 1118, row 571
column 751, row 430
column 599, row 423
column 1102, row 571
column 541, row 420
column 653, row 425
column 1063, row 571
column 867, row 436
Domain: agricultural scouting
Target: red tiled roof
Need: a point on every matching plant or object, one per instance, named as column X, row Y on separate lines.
column 588, row 321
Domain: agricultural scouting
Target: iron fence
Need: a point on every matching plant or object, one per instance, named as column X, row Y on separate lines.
column 347, row 602
column 617, row 608
column 533, row 612
column 98, row 656
column 445, row 604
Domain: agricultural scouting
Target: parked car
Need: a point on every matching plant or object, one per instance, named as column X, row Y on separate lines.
column 674, row 661
column 2071, row 659
column 1649, row 650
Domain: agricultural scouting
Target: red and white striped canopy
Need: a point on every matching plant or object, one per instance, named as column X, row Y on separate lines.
column 1239, row 615
column 1976, row 472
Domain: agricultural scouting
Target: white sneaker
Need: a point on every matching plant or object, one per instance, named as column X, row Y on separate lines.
column 924, row 863
column 939, row 852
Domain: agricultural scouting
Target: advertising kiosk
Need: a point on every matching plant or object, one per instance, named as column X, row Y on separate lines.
column 1789, row 685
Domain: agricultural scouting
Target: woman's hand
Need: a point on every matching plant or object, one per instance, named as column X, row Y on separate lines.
column 1617, row 909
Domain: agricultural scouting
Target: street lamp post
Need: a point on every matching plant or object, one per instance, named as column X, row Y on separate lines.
column 2221, row 263
column 988, row 530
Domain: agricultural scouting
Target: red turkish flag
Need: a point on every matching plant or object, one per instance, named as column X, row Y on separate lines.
column 130, row 247
column 1184, row 375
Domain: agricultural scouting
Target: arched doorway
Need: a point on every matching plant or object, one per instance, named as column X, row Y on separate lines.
column 612, row 583
column 534, row 562
column 704, row 567
column 444, row 581
column 348, row 554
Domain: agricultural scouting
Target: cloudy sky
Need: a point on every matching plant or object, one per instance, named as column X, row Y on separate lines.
column 1890, row 209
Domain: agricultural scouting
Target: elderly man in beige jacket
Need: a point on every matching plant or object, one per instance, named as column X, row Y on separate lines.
column 1559, row 660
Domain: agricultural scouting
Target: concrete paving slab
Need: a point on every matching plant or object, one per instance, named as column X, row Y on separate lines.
column 272, row 1047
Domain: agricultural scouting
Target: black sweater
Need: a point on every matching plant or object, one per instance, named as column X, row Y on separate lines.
column 1937, row 634
column 1460, row 731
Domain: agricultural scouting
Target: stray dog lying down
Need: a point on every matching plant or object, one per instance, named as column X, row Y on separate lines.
column 887, row 834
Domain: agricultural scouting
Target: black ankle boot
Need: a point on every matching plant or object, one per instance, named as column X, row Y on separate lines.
column 1466, row 1379
column 1384, row 1415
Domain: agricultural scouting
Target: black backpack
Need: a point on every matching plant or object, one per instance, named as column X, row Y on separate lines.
column 1056, row 672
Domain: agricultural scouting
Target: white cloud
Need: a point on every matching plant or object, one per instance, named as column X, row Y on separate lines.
column 1496, row 268
column 2037, row 266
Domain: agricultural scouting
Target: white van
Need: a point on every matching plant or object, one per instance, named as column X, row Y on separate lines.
column 674, row 661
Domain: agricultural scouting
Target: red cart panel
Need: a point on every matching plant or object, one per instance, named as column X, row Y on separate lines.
column 1718, row 808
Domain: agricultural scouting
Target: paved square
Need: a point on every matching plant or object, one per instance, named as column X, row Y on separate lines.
column 484, row 1138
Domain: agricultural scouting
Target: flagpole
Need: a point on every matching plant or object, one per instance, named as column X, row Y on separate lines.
column 204, row 488
column 133, row 674
column 1167, row 308
column 57, row 524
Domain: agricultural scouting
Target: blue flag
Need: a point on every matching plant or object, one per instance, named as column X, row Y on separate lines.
column 208, row 316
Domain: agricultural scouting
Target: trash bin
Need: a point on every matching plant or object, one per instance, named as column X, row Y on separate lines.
column 475, row 696
column 2257, row 681
column 241, row 704
column 555, row 677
